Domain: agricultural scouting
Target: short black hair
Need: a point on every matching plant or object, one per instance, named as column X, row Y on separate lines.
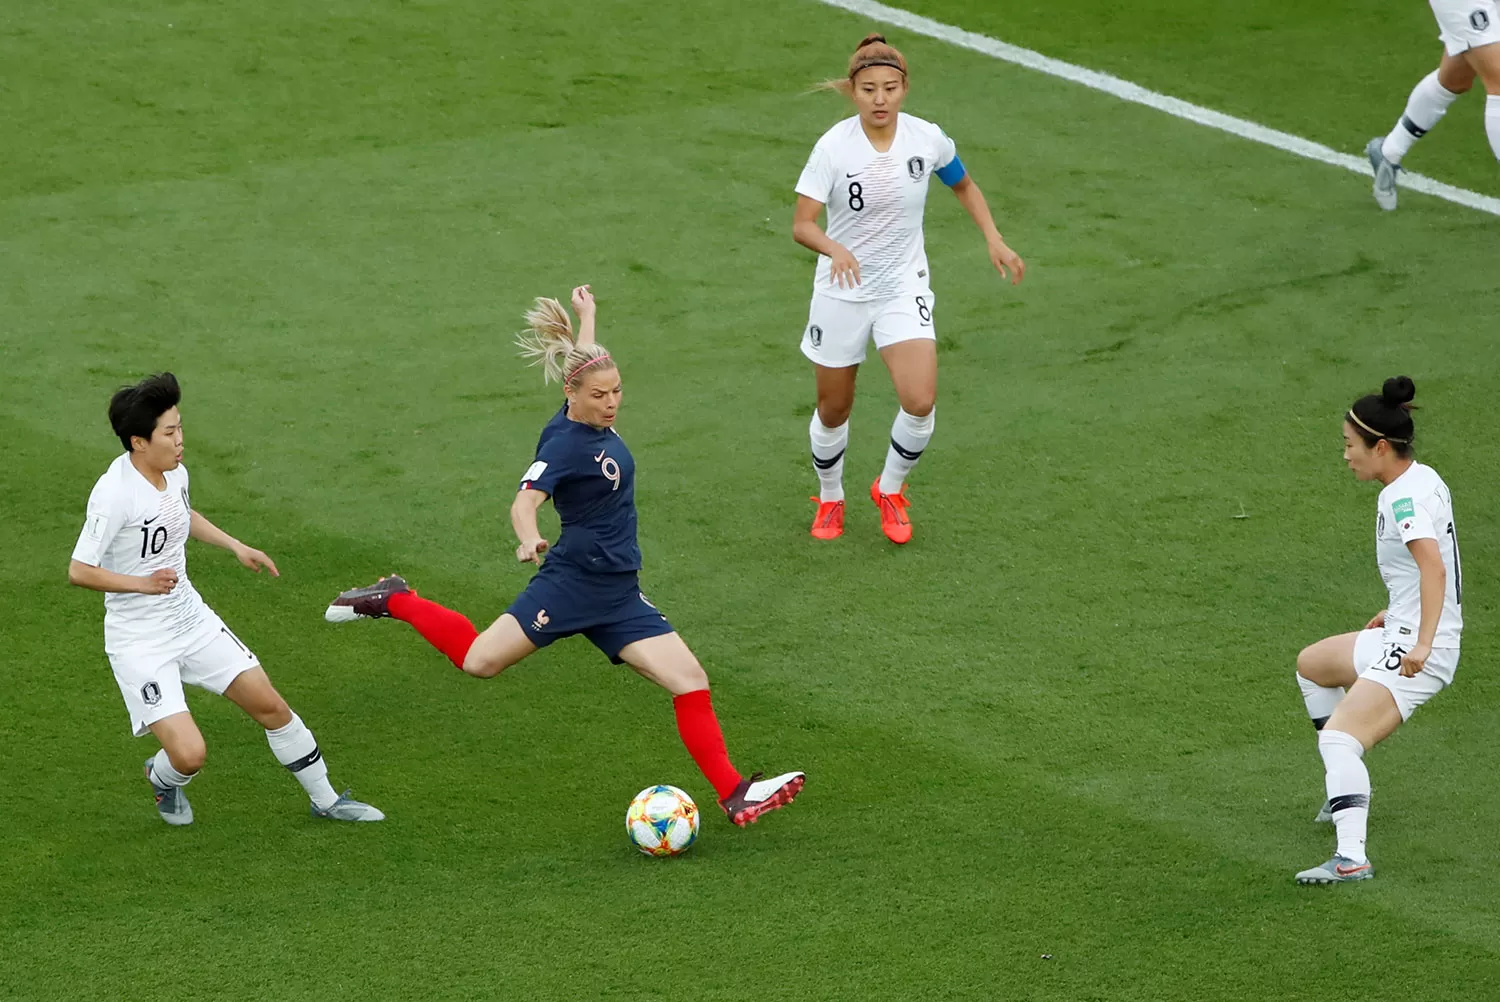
column 1386, row 415
column 134, row 410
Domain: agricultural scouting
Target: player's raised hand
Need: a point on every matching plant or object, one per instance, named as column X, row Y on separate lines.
column 583, row 302
column 844, row 272
column 255, row 560
column 1007, row 262
column 1378, row 623
column 1415, row 660
column 530, row 552
column 160, row 582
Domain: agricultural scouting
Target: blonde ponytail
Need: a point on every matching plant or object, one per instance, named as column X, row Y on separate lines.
column 548, row 341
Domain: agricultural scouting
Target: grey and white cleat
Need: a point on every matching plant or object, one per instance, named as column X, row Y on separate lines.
column 1338, row 870
column 1325, row 813
column 1385, row 174
column 171, row 802
column 370, row 602
column 348, row 809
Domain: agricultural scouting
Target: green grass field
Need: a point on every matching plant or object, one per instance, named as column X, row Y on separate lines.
column 1054, row 745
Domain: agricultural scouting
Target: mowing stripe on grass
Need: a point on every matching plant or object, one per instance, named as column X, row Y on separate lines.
column 1127, row 91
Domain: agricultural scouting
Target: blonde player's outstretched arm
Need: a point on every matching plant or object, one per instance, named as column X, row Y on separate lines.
column 1006, row 261
column 583, row 305
column 205, row 531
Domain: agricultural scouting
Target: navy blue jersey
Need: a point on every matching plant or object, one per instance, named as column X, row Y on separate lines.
column 591, row 477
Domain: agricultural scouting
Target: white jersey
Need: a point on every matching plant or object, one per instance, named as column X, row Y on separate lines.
column 133, row 528
column 875, row 203
column 1417, row 505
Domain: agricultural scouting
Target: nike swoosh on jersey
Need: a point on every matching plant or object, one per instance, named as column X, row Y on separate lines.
column 855, row 174
column 153, row 518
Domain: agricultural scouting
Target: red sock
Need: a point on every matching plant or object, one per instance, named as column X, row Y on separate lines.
column 448, row 631
column 705, row 742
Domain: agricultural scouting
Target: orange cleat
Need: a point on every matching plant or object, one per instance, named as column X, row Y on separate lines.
column 893, row 520
column 828, row 523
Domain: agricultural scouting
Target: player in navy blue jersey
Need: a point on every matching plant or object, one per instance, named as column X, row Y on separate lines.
column 588, row 583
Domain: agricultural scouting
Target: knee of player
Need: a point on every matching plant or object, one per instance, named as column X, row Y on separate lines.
column 482, row 667
column 1311, row 665
column 276, row 712
column 920, row 405
column 188, row 756
column 834, row 413
column 691, row 677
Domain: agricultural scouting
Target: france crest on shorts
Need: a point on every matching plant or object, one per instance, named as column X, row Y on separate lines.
column 151, row 694
column 1480, row 20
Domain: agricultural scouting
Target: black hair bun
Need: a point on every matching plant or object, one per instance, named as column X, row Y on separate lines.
column 870, row 40
column 1398, row 391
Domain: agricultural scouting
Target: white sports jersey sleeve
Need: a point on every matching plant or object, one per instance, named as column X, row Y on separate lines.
column 1417, row 505
column 875, row 202
column 102, row 520
column 817, row 177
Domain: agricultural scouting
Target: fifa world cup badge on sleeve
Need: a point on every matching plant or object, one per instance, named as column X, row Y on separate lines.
column 1404, row 511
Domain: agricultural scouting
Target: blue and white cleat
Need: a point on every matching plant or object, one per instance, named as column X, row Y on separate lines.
column 1337, row 870
column 1325, row 814
column 348, row 809
column 171, row 802
column 1385, row 174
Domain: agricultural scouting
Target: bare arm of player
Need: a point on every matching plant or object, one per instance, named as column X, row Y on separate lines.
column 583, row 305
column 1378, row 622
column 1434, row 592
column 160, row 582
column 523, row 519
column 206, row 532
column 1006, row 261
column 807, row 232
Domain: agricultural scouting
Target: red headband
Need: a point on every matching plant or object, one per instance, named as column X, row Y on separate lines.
column 573, row 376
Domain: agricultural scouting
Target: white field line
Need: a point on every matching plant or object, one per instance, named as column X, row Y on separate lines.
column 1127, row 91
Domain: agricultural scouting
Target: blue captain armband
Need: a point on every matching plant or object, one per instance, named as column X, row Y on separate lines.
column 952, row 172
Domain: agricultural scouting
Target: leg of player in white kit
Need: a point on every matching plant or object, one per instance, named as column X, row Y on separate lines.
column 913, row 367
column 1428, row 103
column 295, row 747
column 181, row 756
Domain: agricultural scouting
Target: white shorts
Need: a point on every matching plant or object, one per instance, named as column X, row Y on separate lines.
column 1466, row 24
column 1379, row 661
column 152, row 683
column 838, row 331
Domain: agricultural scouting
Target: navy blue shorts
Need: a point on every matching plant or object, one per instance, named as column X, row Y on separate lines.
column 608, row 609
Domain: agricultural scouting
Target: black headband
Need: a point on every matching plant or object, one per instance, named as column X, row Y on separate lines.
column 865, row 64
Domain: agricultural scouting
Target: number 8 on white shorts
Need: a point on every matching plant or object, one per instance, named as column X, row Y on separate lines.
column 839, row 331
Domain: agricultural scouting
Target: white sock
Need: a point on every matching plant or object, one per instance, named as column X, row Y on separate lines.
column 828, row 447
column 1426, row 107
column 295, row 747
column 909, row 436
column 1492, row 122
column 1321, row 700
column 1348, row 790
column 164, row 775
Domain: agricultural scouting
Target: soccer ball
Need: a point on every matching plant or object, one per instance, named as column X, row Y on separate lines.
column 662, row 821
